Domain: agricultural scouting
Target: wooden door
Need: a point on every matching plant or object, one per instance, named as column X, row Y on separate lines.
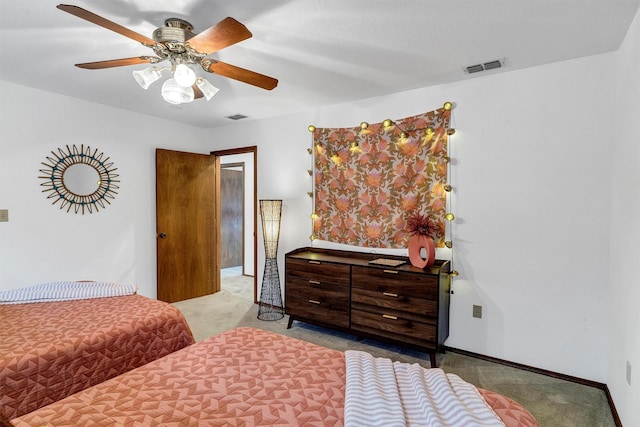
column 232, row 215
column 186, row 213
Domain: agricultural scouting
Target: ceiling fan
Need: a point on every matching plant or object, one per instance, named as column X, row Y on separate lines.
column 176, row 43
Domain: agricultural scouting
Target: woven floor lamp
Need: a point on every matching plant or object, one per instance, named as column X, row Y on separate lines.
column 270, row 306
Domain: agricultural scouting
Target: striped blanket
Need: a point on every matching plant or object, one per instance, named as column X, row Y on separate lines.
column 380, row 392
column 65, row 291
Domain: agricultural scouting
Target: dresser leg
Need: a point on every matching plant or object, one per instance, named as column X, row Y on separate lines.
column 432, row 358
column 290, row 322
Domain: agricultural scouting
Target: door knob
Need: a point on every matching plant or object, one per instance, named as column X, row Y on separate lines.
column 162, row 235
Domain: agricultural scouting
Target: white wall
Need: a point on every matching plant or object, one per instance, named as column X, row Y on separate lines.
column 532, row 197
column 42, row 243
column 624, row 290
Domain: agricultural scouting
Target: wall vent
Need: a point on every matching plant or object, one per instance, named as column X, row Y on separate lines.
column 491, row 65
column 237, row 117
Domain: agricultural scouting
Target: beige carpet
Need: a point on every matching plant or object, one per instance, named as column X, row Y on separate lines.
column 552, row 401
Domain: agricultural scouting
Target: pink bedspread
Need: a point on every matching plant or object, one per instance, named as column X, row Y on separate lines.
column 242, row 377
column 51, row 350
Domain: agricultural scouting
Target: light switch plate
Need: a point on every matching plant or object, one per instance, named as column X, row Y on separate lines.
column 4, row 215
column 477, row 311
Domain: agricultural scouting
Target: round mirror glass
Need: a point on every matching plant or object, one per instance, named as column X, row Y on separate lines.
column 81, row 179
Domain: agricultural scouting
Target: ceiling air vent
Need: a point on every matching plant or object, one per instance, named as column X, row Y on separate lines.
column 237, row 117
column 491, row 65
column 474, row 69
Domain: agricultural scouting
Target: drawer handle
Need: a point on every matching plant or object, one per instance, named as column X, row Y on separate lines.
column 314, row 282
column 389, row 294
column 388, row 316
column 391, row 271
column 314, row 262
column 312, row 301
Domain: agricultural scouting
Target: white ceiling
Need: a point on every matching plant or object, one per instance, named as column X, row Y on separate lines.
column 323, row 52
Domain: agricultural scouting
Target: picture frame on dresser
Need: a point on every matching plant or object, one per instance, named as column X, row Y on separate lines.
column 342, row 290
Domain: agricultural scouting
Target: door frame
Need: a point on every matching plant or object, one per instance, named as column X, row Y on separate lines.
column 243, row 150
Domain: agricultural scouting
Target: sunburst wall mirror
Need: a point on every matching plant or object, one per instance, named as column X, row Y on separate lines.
column 80, row 179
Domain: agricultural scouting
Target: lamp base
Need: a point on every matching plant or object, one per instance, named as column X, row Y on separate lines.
column 270, row 304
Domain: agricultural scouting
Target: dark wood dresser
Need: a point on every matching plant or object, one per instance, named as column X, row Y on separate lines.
column 342, row 290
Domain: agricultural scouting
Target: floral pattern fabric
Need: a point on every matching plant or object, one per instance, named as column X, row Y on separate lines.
column 369, row 181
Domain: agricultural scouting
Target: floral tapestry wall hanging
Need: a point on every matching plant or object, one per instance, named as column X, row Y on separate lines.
column 370, row 179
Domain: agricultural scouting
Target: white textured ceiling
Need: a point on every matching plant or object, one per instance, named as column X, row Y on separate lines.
column 323, row 52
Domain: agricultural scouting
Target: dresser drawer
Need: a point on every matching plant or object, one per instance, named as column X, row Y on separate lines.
column 322, row 302
column 394, row 327
column 318, row 271
column 400, row 283
column 418, row 308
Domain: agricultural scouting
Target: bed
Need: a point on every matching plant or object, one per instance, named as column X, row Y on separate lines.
column 244, row 376
column 50, row 350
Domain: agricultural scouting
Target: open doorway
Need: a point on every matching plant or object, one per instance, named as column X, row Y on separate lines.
column 238, row 203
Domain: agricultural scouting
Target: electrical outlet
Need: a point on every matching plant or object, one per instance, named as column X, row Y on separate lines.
column 628, row 373
column 4, row 215
column 477, row 311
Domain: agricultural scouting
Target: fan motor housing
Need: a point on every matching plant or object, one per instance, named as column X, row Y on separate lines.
column 175, row 30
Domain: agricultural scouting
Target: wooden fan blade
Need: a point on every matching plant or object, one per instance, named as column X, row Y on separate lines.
column 241, row 74
column 223, row 34
column 197, row 93
column 119, row 62
column 109, row 25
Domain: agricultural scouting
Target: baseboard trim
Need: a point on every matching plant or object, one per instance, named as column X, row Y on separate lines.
column 614, row 412
column 545, row 372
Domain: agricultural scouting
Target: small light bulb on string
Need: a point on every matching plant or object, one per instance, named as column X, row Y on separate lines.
column 310, row 172
column 447, row 106
column 312, row 237
column 449, row 216
column 314, row 216
column 447, row 188
column 448, row 243
column 311, row 128
column 387, row 124
column 310, row 151
column 364, row 125
column 451, row 131
column 354, row 147
column 310, row 193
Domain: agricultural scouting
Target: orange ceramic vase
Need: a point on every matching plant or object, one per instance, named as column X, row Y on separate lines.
column 417, row 242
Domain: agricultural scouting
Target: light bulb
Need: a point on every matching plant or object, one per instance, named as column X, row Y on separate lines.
column 184, row 75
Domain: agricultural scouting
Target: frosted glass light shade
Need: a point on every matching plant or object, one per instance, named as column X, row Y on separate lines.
column 173, row 93
column 208, row 90
column 184, row 75
column 147, row 76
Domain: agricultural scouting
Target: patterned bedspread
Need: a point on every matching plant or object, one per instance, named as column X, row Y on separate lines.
column 243, row 377
column 51, row 350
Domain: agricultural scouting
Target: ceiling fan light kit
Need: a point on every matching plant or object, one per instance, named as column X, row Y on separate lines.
column 147, row 76
column 174, row 93
column 208, row 90
column 175, row 42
